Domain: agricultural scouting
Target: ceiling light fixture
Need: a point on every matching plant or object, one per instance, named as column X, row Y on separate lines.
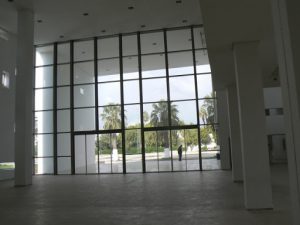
column 178, row 1
column 143, row 26
column 10, row 0
column 184, row 21
column 85, row 14
column 39, row 21
column 103, row 31
column 61, row 36
column 154, row 43
column 130, row 7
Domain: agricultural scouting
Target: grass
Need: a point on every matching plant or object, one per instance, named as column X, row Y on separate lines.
column 7, row 166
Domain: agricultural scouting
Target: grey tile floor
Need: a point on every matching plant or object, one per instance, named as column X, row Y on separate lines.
column 205, row 198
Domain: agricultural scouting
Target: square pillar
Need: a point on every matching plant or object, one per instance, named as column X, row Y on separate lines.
column 287, row 38
column 257, row 181
column 235, row 137
column 223, row 129
column 24, row 99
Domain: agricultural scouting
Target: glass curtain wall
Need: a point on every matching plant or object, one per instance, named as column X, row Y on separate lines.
column 140, row 102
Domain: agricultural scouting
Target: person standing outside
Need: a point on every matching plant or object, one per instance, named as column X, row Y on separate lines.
column 179, row 150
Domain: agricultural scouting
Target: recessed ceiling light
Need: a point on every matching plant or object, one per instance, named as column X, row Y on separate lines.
column 184, row 21
column 61, row 36
column 130, row 7
column 10, row 0
column 190, row 39
column 154, row 43
column 103, row 31
column 143, row 26
column 85, row 14
column 178, row 1
column 39, row 21
column 83, row 52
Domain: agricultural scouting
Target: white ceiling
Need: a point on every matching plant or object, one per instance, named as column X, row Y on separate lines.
column 65, row 17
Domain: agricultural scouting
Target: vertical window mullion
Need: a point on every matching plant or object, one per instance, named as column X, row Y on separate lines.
column 55, row 108
column 168, row 93
column 72, row 106
column 122, row 102
column 141, row 103
column 197, row 100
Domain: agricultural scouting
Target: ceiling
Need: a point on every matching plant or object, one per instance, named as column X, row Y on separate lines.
column 231, row 21
column 64, row 19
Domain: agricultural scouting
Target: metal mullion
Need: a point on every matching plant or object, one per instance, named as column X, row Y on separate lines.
column 141, row 102
column 168, row 91
column 55, row 109
column 122, row 103
column 96, row 82
column 197, row 100
column 98, row 153
column 72, row 107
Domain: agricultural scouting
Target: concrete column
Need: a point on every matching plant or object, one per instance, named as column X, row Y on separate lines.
column 235, row 137
column 223, row 134
column 257, row 182
column 24, row 99
column 287, row 36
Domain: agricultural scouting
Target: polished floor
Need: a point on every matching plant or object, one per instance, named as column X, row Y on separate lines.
column 183, row 198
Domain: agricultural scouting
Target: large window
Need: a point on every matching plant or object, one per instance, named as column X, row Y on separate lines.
column 125, row 104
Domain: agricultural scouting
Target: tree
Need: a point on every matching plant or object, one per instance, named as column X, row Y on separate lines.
column 111, row 117
column 160, row 117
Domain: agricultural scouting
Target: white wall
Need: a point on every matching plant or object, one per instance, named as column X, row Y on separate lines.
column 7, row 99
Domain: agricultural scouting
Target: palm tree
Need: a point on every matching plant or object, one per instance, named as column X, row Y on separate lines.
column 111, row 116
column 159, row 117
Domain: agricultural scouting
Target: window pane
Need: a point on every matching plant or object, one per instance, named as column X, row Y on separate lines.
column 151, row 150
column 133, row 151
column 202, row 63
column 84, row 119
column 110, row 117
column 130, row 45
column 131, row 92
column 179, row 40
column 44, row 77
column 63, row 97
column 63, row 120
column 43, row 165
column 44, row 55
column 154, row 90
column 199, row 38
column 192, row 149
column 80, row 163
column 64, row 165
column 156, row 114
column 132, row 116
column 44, row 99
column 108, row 70
column 184, row 113
column 209, row 148
column 108, row 47
column 91, row 153
column 83, row 50
column 63, row 53
column 130, row 68
column 152, row 42
column 181, row 63
column 182, row 88
column 109, row 94
column 153, row 66
column 63, row 74
column 207, row 111
column 63, row 144
column 43, row 145
column 84, row 95
column 178, row 150
column 84, row 73
column 204, row 83
column 43, row 122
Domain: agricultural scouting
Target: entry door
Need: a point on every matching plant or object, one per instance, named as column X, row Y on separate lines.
column 98, row 153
